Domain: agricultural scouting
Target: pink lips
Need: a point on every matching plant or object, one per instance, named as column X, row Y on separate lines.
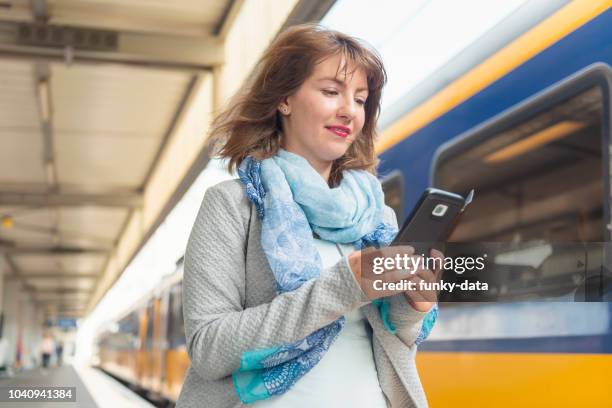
column 339, row 130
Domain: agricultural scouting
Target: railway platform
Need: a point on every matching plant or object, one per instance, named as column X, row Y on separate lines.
column 92, row 388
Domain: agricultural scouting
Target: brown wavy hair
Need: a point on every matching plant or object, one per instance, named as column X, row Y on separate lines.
column 252, row 125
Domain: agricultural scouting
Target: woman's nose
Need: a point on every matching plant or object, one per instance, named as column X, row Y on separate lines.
column 348, row 109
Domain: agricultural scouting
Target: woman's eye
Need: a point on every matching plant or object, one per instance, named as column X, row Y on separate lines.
column 330, row 92
column 360, row 101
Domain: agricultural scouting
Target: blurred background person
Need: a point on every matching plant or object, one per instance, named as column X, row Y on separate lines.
column 47, row 347
column 59, row 352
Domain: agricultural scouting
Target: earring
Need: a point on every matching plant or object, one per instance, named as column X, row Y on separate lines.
column 284, row 109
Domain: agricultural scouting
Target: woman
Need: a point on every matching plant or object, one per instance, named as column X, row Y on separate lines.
column 274, row 311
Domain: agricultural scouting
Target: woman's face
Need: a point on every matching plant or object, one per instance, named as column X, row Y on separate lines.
column 326, row 114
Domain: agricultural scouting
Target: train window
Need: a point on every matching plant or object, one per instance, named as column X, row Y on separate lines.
column 129, row 324
column 126, row 337
column 176, row 326
column 393, row 187
column 539, row 179
column 134, row 330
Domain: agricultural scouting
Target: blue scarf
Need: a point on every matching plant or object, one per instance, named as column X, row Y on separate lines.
column 293, row 200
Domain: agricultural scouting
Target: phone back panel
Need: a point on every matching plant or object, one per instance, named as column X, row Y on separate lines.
column 431, row 221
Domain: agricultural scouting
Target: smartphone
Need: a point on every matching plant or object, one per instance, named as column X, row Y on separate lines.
column 432, row 220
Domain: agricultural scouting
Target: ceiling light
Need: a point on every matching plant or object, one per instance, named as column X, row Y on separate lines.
column 7, row 222
column 544, row 136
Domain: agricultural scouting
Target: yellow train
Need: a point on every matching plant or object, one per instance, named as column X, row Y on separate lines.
column 526, row 121
column 146, row 347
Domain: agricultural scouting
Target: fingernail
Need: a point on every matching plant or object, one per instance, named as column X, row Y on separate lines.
column 436, row 254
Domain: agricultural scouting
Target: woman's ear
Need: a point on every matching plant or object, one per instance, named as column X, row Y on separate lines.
column 284, row 107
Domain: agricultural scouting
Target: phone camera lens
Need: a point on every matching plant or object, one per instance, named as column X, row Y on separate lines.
column 439, row 210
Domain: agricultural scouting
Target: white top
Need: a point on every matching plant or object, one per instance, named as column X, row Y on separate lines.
column 346, row 375
column 47, row 345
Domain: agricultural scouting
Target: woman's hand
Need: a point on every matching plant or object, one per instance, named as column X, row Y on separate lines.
column 376, row 284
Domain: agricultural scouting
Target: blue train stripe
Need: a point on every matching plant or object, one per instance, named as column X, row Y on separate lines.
column 592, row 344
column 589, row 44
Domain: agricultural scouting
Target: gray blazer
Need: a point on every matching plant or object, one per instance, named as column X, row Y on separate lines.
column 230, row 306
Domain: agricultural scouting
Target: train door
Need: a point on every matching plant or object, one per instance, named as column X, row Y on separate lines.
column 162, row 341
column 147, row 366
column 141, row 356
column 177, row 360
column 124, row 348
column 156, row 347
column 132, row 347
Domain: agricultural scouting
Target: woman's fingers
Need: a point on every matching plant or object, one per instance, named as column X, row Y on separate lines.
column 392, row 270
column 424, row 289
column 430, row 289
column 439, row 263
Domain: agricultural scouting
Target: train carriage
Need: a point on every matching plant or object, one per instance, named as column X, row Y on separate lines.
column 146, row 347
column 529, row 129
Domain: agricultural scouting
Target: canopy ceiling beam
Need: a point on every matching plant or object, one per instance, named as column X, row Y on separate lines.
column 60, row 276
column 55, row 199
column 35, row 250
column 56, row 43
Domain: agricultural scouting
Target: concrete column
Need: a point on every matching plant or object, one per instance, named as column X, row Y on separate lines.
column 4, row 346
column 32, row 326
column 11, row 310
column 23, row 324
column 3, row 272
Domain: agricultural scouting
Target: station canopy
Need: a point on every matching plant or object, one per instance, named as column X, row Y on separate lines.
column 97, row 130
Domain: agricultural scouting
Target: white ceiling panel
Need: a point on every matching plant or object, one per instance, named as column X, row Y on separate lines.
column 20, row 135
column 60, row 283
column 96, row 223
column 104, row 161
column 18, row 103
column 114, row 99
column 77, row 226
column 53, row 274
column 80, row 297
column 82, row 241
column 30, row 263
column 67, row 298
column 186, row 17
column 110, row 121
column 21, row 155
